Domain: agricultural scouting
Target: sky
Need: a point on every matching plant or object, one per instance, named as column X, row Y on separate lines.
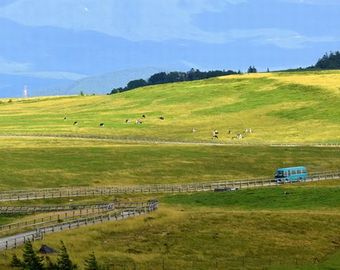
column 56, row 42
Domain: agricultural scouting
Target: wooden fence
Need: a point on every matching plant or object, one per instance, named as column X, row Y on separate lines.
column 69, row 192
column 38, row 234
column 51, row 219
column 70, row 214
column 59, row 208
column 151, row 140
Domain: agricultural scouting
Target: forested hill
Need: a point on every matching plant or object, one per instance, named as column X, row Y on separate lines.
column 329, row 61
column 175, row 76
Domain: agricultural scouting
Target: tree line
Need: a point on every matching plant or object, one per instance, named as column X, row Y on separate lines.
column 329, row 61
column 32, row 261
column 174, row 76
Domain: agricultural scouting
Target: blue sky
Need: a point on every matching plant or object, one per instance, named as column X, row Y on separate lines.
column 68, row 40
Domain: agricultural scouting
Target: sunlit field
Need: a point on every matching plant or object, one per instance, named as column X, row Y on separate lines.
column 287, row 227
column 278, row 107
column 251, row 229
column 28, row 163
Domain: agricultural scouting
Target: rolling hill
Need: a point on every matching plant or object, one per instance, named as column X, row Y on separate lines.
column 279, row 107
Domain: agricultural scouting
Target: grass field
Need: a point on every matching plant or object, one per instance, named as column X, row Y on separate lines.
column 279, row 107
column 288, row 227
column 28, row 163
column 241, row 229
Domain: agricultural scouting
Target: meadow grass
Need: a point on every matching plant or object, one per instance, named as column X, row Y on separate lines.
column 280, row 198
column 191, row 238
column 27, row 163
column 289, row 227
column 279, row 107
column 278, row 228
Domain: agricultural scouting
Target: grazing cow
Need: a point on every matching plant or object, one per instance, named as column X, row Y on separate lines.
column 101, row 124
column 229, row 131
column 215, row 134
column 65, row 118
column 139, row 122
column 143, row 116
column 239, row 136
column 127, row 121
column 194, row 130
column 75, row 123
column 161, row 117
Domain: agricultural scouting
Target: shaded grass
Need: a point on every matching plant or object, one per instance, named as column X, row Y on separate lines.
column 204, row 237
column 280, row 198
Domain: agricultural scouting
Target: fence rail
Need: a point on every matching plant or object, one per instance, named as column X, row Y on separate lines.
column 50, row 219
column 152, row 140
column 59, row 208
column 156, row 188
column 38, row 234
column 71, row 214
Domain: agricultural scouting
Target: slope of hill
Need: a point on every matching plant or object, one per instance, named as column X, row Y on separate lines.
column 278, row 107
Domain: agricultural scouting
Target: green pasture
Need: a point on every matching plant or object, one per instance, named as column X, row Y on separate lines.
column 231, row 230
column 280, row 198
column 278, row 107
column 287, row 227
column 29, row 163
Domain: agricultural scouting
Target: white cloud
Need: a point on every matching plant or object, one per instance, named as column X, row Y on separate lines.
column 136, row 20
column 314, row 2
column 155, row 20
column 279, row 37
column 26, row 69
column 7, row 66
column 59, row 75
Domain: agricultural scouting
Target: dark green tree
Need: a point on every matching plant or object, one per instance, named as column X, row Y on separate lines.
column 31, row 261
column 136, row 84
column 329, row 61
column 16, row 262
column 50, row 265
column 63, row 261
column 91, row 262
column 252, row 69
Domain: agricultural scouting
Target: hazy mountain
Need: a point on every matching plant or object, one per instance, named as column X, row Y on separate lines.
column 12, row 85
column 104, row 83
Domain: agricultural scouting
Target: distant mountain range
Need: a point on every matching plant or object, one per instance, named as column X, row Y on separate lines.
column 105, row 83
column 13, row 85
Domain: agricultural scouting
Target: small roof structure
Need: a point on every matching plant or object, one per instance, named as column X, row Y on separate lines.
column 46, row 249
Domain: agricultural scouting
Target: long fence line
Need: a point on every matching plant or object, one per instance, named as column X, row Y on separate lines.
column 38, row 234
column 58, row 208
column 145, row 189
column 71, row 214
column 130, row 139
column 52, row 218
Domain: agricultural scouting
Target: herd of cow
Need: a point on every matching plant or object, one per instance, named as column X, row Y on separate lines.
column 215, row 133
column 127, row 121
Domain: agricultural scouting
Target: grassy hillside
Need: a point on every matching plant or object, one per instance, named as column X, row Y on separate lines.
column 29, row 163
column 287, row 227
column 205, row 231
column 279, row 107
